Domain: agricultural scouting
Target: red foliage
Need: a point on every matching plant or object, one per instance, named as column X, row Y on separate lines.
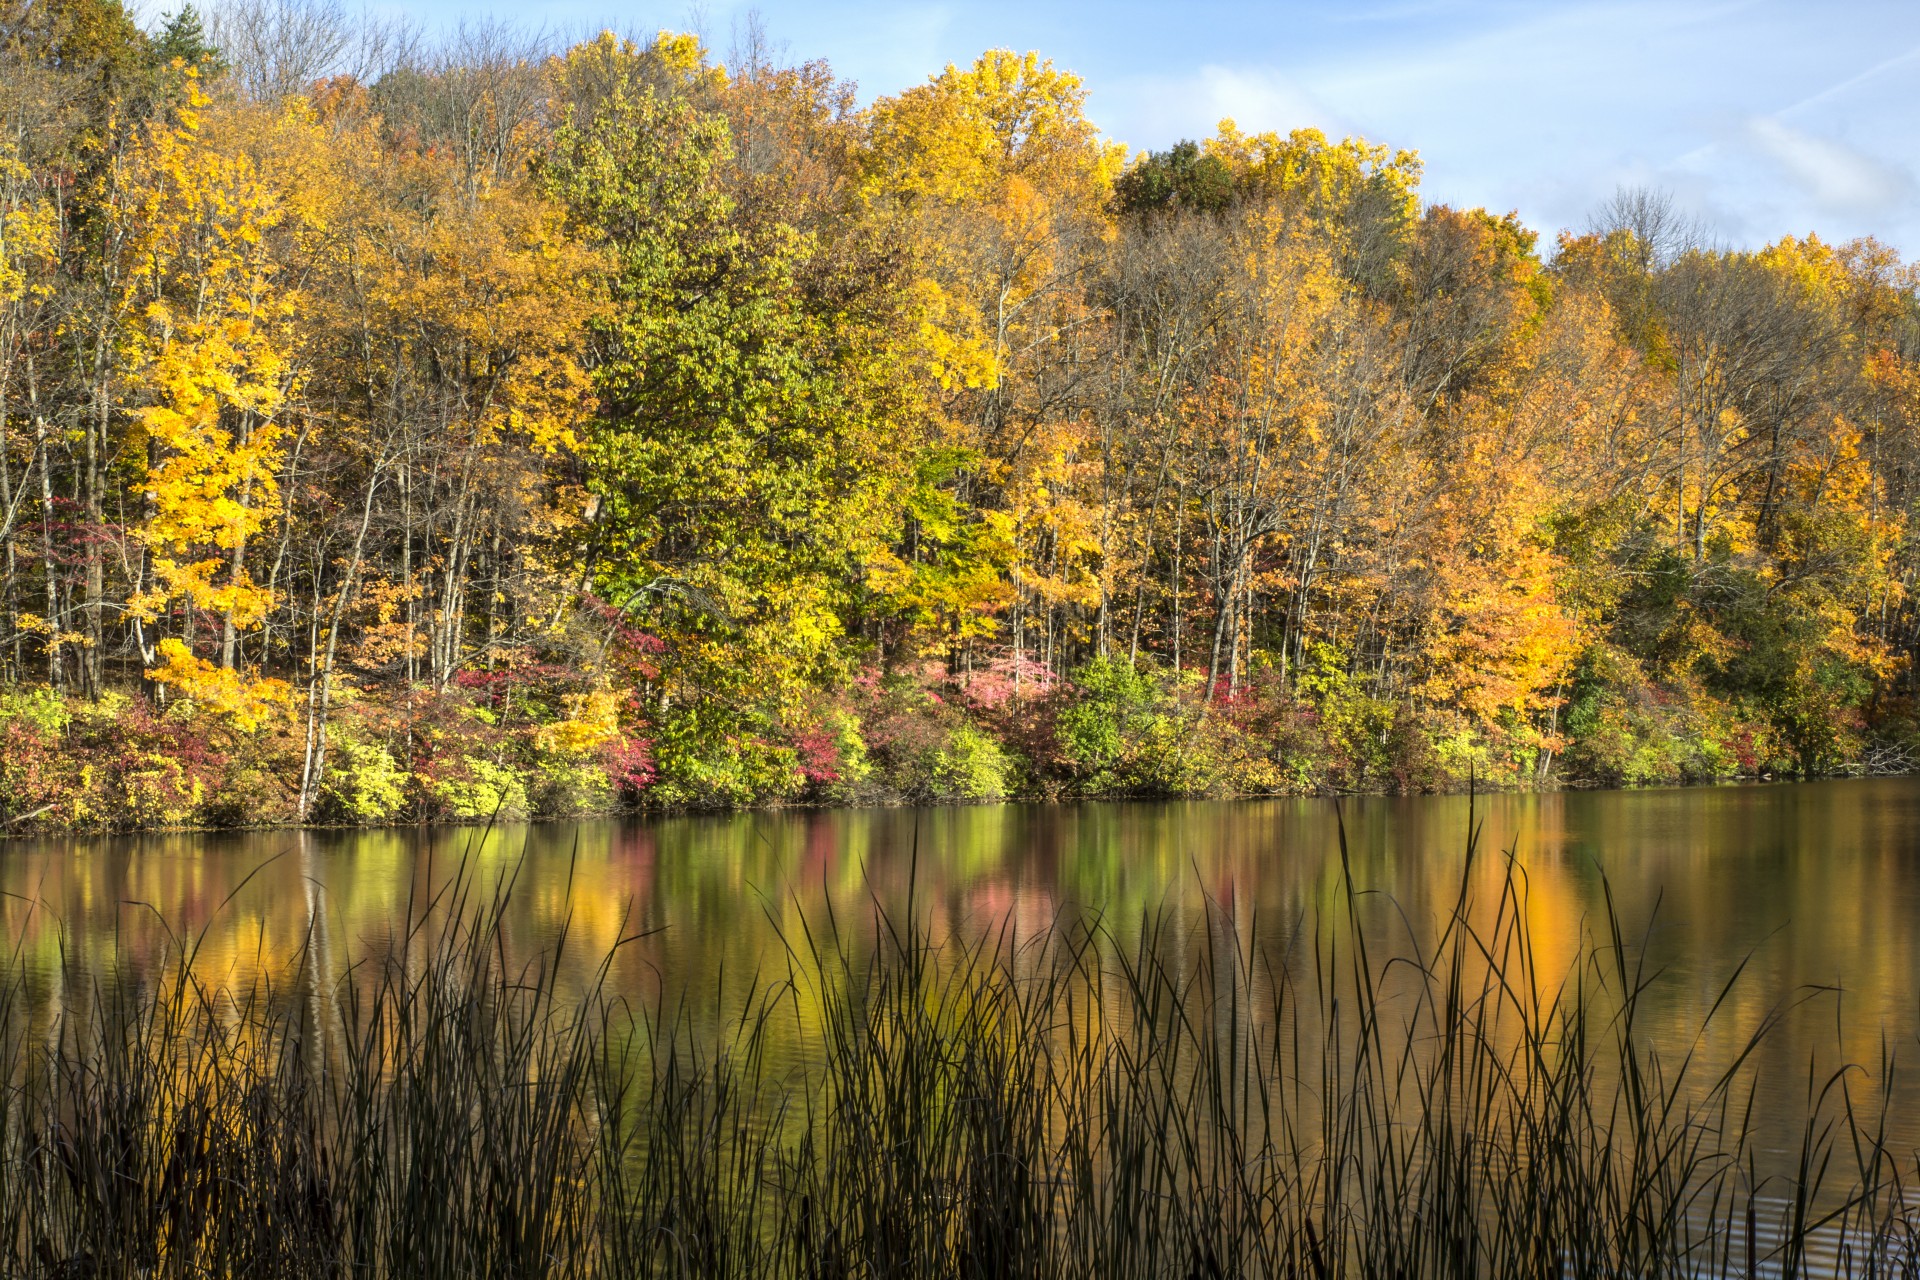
column 1005, row 678
column 633, row 646
column 819, row 753
column 36, row 775
column 629, row 762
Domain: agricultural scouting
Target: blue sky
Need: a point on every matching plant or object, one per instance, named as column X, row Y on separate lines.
column 1763, row 118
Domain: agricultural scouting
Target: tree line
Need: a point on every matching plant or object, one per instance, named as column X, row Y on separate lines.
column 391, row 429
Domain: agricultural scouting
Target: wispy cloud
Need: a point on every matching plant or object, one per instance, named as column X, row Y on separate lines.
column 1852, row 82
column 1835, row 177
column 1255, row 100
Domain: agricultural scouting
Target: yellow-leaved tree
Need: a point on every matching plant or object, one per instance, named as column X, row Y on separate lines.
column 210, row 349
column 998, row 181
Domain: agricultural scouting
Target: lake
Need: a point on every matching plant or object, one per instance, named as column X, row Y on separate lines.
column 1815, row 887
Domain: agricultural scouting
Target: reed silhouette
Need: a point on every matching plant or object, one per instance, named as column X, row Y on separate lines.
column 1188, row 1102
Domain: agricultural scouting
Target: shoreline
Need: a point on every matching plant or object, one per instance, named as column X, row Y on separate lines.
column 509, row 752
column 1036, row 800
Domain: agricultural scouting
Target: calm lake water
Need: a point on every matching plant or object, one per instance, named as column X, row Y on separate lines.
column 1816, row 886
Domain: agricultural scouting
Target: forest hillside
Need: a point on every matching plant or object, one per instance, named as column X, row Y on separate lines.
column 503, row 431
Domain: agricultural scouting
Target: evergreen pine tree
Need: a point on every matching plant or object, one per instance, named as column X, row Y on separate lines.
column 184, row 37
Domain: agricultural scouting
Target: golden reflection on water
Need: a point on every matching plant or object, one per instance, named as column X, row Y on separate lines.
column 1818, row 884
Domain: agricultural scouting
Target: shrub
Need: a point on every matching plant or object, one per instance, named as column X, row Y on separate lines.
column 629, row 765
column 40, row 781
column 1623, row 730
column 252, row 793
column 478, row 789
column 973, row 766
column 465, row 767
column 1358, row 726
column 38, row 708
column 1111, row 710
column 364, row 783
column 710, row 756
column 835, row 760
column 1270, row 740
column 1134, row 730
column 156, row 769
column 570, row 785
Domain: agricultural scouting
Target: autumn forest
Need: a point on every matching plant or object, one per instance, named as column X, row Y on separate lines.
column 505, row 430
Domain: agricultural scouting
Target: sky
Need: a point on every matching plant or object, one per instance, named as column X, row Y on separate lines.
column 1762, row 119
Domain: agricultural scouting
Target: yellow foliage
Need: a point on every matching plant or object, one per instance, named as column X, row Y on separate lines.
column 248, row 703
column 965, row 133
column 27, row 225
column 500, row 281
column 592, row 718
column 1811, row 263
column 1000, row 184
column 677, row 60
column 212, row 350
column 1328, row 177
column 955, row 353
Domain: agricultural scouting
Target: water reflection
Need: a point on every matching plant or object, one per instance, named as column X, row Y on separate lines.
column 1819, row 884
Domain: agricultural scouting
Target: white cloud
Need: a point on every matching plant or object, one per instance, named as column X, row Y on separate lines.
column 1835, row 177
column 1152, row 112
column 1256, row 101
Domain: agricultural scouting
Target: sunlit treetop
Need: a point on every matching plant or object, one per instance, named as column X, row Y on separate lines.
column 967, row 130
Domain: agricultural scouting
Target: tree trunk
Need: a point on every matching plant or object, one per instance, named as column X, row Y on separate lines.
column 313, row 769
column 56, row 673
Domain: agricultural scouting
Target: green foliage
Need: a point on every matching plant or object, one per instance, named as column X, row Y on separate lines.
column 94, row 39
column 120, row 764
column 1127, row 731
column 1094, row 731
column 183, row 37
column 950, row 579
column 748, row 449
column 1181, row 177
column 570, row 784
column 476, row 789
column 918, row 745
column 972, row 766
column 36, row 707
column 364, row 783
column 1362, row 729
column 1140, row 731
column 853, row 766
column 1624, row 731
column 710, row 757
